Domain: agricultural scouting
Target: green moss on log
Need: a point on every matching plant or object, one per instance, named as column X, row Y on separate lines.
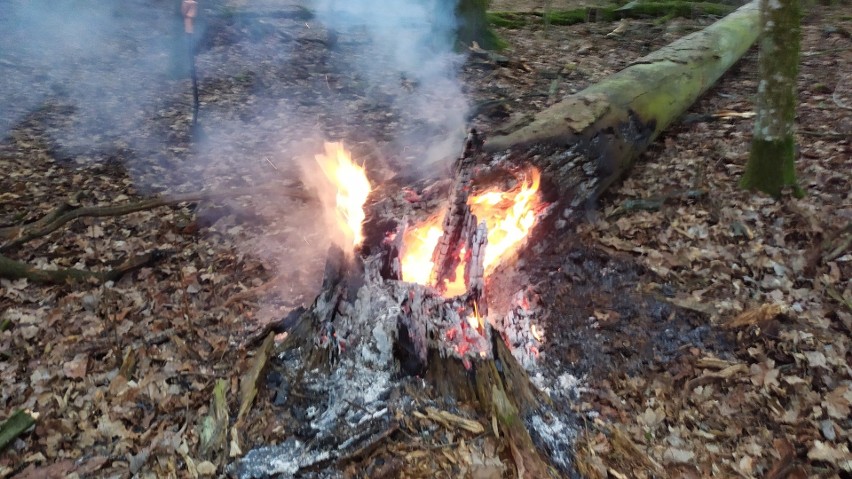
column 609, row 13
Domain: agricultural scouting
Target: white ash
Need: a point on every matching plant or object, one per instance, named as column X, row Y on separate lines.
column 565, row 386
column 522, row 328
column 355, row 408
column 550, row 431
column 352, row 390
column 571, row 385
column 285, row 460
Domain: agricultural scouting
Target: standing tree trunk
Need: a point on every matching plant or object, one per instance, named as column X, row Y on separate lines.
column 473, row 25
column 771, row 165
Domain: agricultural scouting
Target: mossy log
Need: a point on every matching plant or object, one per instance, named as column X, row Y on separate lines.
column 665, row 9
column 613, row 121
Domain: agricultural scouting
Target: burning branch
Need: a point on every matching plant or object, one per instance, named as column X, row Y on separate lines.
column 459, row 225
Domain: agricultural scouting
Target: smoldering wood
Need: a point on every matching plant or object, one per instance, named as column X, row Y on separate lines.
column 367, row 325
column 459, row 223
column 583, row 145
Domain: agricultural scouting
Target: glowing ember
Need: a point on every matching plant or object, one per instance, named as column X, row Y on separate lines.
column 352, row 189
column 510, row 215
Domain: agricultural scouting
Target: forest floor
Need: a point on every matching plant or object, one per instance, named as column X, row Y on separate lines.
column 745, row 373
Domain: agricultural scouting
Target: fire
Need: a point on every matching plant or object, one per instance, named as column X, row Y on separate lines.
column 509, row 215
column 416, row 260
column 476, row 321
column 352, row 185
column 420, row 242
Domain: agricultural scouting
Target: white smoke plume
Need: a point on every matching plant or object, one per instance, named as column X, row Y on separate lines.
column 406, row 49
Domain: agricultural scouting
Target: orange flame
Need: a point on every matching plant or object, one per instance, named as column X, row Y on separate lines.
column 352, row 185
column 476, row 321
column 419, row 244
column 509, row 215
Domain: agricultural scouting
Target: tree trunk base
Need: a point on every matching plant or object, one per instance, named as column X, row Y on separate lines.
column 763, row 171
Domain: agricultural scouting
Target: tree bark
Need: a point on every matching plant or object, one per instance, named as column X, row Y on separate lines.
column 771, row 165
column 613, row 121
column 473, row 25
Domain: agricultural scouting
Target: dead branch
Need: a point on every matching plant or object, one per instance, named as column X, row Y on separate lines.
column 252, row 292
column 12, row 269
column 64, row 213
column 655, row 203
column 822, row 134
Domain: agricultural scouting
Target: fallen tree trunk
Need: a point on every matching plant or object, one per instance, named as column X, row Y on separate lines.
column 610, row 13
column 613, row 121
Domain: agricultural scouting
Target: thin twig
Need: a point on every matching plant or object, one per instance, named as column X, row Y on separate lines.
column 837, row 101
column 271, row 163
column 823, row 134
column 18, row 235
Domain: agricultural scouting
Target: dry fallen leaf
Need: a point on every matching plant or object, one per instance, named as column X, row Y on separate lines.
column 674, row 455
column 76, row 368
column 762, row 314
column 205, row 468
column 837, row 403
column 838, row 456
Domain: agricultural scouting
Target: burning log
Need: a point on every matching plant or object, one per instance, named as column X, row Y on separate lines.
column 392, row 310
column 455, row 244
column 368, row 325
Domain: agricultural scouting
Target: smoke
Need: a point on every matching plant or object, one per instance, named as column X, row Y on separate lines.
column 274, row 85
column 405, row 50
column 84, row 58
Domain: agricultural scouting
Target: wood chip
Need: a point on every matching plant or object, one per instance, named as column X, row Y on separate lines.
column 762, row 314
